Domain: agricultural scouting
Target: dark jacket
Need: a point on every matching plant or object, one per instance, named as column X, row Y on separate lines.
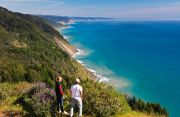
column 58, row 89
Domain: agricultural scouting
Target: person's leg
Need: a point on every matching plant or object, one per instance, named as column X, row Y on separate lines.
column 61, row 104
column 72, row 107
column 58, row 104
column 80, row 107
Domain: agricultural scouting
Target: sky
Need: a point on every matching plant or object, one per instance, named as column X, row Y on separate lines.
column 153, row 9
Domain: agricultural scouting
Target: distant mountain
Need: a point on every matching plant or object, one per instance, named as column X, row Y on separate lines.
column 67, row 18
column 55, row 18
column 90, row 18
column 64, row 21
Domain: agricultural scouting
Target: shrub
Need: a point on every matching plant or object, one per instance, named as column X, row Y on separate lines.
column 9, row 90
column 41, row 99
column 9, row 96
column 102, row 100
column 146, row 107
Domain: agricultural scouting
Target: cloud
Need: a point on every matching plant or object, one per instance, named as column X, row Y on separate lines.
column 30, row 3
column 63, row 7
column 10, row 2
column 153, row 12
column 32, row 6
column 19, row 0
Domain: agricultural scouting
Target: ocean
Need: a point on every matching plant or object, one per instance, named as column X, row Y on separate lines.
column 140, row 58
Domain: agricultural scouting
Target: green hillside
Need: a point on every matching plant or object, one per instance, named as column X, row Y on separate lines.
column 32, row 53
column 29, row 51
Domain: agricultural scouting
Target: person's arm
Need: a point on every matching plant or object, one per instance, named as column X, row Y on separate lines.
column 81, row 93
column 71, row 91
column 61, row 90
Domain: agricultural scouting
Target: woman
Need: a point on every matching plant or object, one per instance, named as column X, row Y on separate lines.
column 59, row 95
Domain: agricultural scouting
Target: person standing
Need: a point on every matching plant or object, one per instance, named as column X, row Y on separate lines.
column 59, row 95
column 76, row 95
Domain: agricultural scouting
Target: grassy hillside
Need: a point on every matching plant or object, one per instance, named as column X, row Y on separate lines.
column 137, row 114
column 29, row 51
column 32, row 53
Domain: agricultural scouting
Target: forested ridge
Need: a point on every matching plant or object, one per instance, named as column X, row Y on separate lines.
column 29, row 52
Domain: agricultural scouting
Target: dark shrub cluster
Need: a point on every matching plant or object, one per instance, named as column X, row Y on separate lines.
column 41, row 98
column 150, row 108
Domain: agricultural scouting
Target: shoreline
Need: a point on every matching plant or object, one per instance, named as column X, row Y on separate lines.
column 116, row 81
column 95, row 76
column 99, row 78
column 120, row 84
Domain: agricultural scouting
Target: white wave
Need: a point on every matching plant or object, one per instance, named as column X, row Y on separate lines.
column 92, row 70
column 79, row 53
column 62, row 28
column 100, row 78
column 104, row 79
column 79, row 61
column 70, row 27
column 65, row 37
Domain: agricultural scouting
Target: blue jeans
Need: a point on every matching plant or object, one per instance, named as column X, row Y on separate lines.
column 75, row 102
column 60, row 103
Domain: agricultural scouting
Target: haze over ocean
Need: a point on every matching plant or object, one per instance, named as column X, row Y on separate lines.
column 141, row 58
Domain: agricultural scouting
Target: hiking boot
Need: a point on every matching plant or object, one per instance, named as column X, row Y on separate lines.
column 59, row 111
column 65, row 113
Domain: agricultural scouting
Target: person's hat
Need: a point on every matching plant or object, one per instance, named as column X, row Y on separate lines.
column 77, row 80
column 58, row 79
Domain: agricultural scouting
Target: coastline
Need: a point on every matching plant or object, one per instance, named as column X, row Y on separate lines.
column 97, row 73
column 98, row 77
column 78, row 53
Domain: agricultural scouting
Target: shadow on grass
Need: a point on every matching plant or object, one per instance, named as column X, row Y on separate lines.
column 26, row 107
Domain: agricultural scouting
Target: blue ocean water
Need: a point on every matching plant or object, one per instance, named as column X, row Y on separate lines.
column 141, row 58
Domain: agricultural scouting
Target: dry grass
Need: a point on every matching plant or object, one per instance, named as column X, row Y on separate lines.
column 135, row 114
column 8, row 107
column 17, row 44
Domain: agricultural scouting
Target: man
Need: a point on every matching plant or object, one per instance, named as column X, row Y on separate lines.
column 76, row 94
column 59, row 95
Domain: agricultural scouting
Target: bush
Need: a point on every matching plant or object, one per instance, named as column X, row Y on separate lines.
column 102, row 100
column 12, row 90
column 7, row 90
column 10, row 93
column 149, row 108
column 99, row 100
column 41, row 98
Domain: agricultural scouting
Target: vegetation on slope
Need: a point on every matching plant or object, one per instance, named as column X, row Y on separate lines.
column 9, row 94
column 38, row 99
column 28, row 52
column 138, row 114
column 140, row 105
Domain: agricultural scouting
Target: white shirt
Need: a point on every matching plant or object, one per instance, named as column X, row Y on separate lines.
column 76, row 91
